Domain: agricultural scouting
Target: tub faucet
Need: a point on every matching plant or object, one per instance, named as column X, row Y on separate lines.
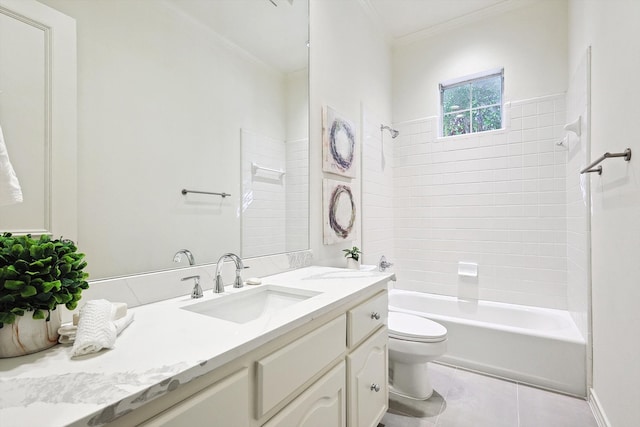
column 178, row 256
column 219, row 288
column 384, row 264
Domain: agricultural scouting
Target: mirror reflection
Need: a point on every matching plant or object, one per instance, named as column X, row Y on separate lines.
column 201, row 95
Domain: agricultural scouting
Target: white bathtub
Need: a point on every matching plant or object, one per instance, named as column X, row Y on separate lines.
column 538, row 346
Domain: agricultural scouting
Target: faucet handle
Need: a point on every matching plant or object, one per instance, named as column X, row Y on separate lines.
column 197, row 290
column 384, row 264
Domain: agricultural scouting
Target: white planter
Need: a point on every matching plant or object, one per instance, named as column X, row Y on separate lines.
column 28, row 335
column 353, row 264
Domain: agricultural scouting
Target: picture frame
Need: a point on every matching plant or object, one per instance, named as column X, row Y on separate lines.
column 340, row 221
column 339, row 144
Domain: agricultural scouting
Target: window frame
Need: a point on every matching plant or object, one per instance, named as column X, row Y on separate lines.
column 447, row 84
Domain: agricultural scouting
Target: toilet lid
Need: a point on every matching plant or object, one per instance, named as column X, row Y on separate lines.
column 415, row 328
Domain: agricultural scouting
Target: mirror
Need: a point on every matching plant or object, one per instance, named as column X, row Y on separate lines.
column 204, row 95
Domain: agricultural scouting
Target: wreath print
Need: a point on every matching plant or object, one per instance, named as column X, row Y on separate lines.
column 339, row 229
column 340, row 125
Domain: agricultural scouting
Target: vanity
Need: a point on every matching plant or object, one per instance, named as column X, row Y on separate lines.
column 313, row 352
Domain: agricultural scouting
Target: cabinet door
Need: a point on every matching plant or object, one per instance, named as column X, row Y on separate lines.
column 225, row 403
column 282, row 372
column 321, row 405
column 367, row 370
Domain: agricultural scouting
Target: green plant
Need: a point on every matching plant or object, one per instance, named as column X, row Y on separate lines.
column 352, row 253
column 37, row 275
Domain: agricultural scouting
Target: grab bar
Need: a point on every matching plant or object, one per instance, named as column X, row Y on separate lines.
column 184, row 191
column 592, row 167
column 255, row 167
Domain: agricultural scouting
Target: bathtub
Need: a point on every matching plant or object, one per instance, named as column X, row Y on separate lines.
column 537, row 346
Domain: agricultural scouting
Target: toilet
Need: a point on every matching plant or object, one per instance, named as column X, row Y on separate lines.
column 413, row 342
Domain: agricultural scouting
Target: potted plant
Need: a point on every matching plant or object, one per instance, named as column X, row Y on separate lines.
column 353, row 257
column 36, row 275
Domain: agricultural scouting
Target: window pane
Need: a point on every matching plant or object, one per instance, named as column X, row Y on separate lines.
column 488, row 118
column 486, row 91
column 456, row 123
column 456, row 98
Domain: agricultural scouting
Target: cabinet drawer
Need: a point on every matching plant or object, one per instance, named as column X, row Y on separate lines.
column 322, row 404
column 367, row 371
column 282, row 372
column 366, row 318
column 223, row 403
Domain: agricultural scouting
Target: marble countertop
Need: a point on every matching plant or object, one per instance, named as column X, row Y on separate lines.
column 164, row 347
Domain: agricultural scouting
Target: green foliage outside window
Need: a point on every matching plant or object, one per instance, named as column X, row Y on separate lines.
column 472, row 106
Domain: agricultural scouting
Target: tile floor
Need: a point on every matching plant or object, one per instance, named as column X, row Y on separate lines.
column 466, row 399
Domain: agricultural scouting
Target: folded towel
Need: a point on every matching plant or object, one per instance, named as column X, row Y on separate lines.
column 10, row 191
column 96, row 327
column 67, row 332
column 121, row 324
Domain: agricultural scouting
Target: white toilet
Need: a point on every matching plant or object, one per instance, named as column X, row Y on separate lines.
column 413, row 341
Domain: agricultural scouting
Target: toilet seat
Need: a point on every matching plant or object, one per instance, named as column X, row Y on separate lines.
column 405, row 326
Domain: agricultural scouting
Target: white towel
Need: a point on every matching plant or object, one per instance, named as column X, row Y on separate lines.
column 97, row 328
column 10, row 191
column 67, row 332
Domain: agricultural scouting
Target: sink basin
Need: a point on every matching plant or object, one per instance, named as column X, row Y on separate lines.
column 249, row 305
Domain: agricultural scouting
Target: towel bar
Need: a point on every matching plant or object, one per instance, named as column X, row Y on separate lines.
column 184, row 191
column 592, row 167
column 255, row 167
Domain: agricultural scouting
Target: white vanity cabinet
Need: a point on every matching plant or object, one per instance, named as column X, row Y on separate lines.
column 323, row 404
column 331, row 371
column 367, row 369
column 224, row 403
column 367, row 362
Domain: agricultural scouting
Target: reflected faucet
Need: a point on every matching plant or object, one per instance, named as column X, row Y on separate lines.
column 178, row 256
column 219, row 288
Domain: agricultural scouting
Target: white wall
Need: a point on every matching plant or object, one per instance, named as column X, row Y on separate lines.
column 578, row 197
column 350, row 67
column 497, row 198
column 611, row 28
column 530, row 43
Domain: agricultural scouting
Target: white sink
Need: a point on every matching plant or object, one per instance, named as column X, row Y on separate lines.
column 248, row 305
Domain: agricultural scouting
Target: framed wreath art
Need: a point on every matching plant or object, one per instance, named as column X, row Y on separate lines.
column 339, row 148
column 339, row 212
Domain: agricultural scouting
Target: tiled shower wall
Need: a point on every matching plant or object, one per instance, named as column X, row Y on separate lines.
column 377, row 191
column 297, row 194
column 497, row 199
column 263, row 203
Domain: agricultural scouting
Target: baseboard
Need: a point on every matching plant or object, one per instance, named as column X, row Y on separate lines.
column 598, row 411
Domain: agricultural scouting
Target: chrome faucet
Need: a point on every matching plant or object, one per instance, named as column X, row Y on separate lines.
column 219, row 288
column 178, row 256
column 384, row 264
column 197, row 290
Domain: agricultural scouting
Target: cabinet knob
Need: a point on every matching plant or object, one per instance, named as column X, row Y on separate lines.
column 375, row 316
column 375, row 387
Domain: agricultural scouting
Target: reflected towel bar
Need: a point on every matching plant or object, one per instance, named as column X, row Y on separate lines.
column 592, row 167
column 255, row 167
column 184, row 191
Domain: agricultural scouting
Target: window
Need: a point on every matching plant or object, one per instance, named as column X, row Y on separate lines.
column 472, row 104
